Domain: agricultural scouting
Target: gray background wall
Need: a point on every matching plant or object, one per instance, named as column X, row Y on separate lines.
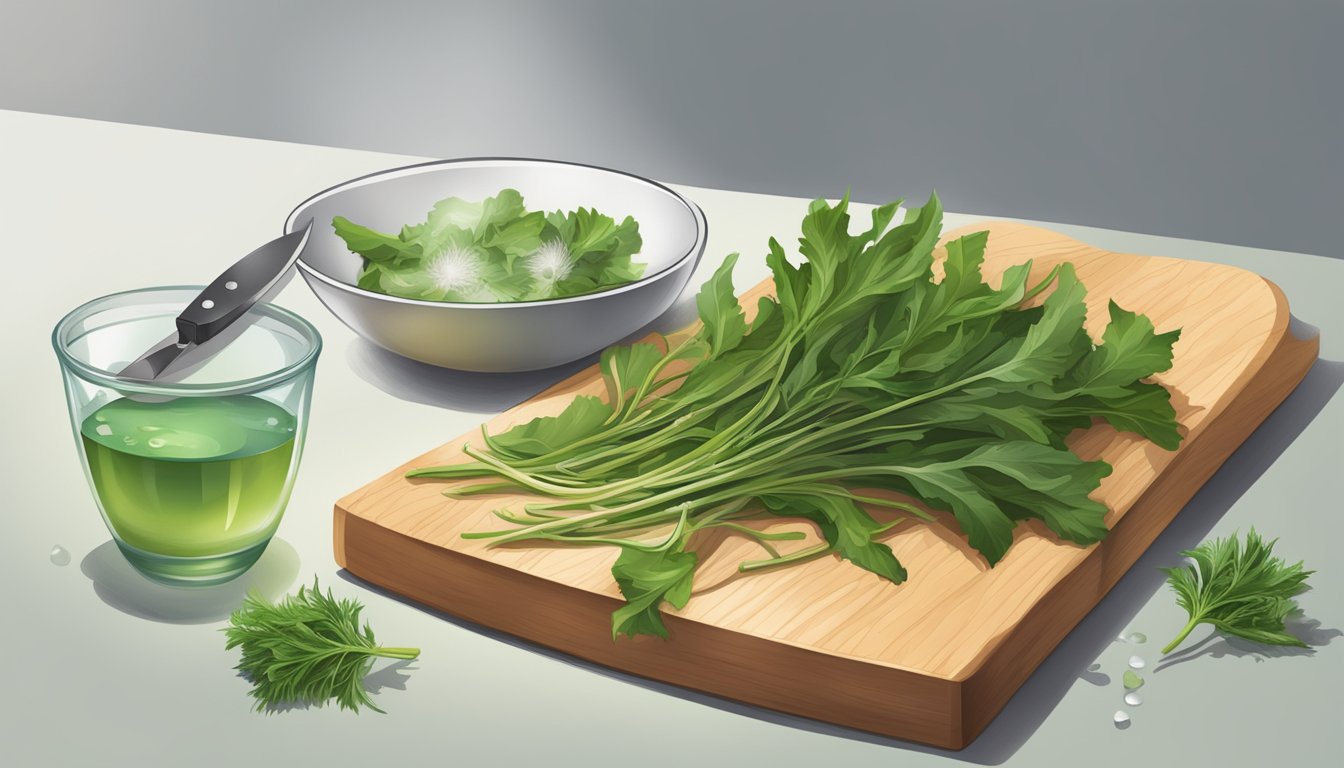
column 1212, row 120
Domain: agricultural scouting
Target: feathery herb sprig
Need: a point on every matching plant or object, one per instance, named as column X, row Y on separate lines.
column 1243, row 591
column 307, row 648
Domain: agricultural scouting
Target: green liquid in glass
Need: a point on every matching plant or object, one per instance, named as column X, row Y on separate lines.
column 194, row 477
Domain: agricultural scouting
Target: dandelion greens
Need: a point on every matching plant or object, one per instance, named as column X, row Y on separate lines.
column 496, row 250
column 865, row 371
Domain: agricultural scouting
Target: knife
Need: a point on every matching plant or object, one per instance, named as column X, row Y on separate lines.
column 210, row 321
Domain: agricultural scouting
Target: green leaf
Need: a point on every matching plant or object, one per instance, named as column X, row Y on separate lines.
column 824, row 245
column 1242, row 590
column 411, row 283
column 454, row 212
column 1143, row 408
column 584, row 416
column 585, row 231
column 845, row 526
column 899, row 261
column 626, row 368
column 647, row 579
column 949, row 485
column 498, row 283
column 790, row 288
column 1048, row 483
column 504, row 209
column 1056, row 340
column 724, row 322
column 516, row 238
column 1129, row 350
column 1007, row 415
column 371, row 277
column 373, row 245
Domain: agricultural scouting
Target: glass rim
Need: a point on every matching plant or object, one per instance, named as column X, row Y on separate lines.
column 105, row 378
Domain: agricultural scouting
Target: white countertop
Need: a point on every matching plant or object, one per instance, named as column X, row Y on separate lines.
column 105, row 668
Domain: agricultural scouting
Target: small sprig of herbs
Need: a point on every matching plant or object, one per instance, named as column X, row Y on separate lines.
column 496, row 250
column 1242, row 590
column 306, row 649
column 865, row 370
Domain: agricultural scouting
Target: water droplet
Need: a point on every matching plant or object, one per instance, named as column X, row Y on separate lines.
column 1093, row 667
column 150, row 428
column 157, row 442
column 272, row 421
column 207, row 304
column 99, row 417
column 129, row 440
column 1132, row 680
column 59, row 556
column 1121, row 638
column 1133, row 699
column 1138, row 638
column 1121, row 718
column 104, row 429
column 231, row 286
column 1136, row 662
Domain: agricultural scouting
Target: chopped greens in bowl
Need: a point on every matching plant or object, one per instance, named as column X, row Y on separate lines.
column 495, row 251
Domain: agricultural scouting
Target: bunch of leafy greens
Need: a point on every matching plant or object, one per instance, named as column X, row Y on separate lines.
column 308, row 648
column 496, row 250
column 865, row 371
column 1243, row 591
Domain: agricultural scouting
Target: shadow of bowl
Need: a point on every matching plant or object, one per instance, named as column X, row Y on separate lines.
column 117, row 583
column 417, row 382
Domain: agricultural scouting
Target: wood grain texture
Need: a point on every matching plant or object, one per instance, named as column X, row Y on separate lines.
column 931, row 660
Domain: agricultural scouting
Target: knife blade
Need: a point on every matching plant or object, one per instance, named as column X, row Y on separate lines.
column 216, row 316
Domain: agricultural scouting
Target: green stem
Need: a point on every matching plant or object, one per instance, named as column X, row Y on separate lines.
column 527, row 518
column 633, row 452
column 465, row 469
column 641, row 419
column 647, row 385
column 522, row 478
column 395, row 653
column 478, row 488
column 795, row 557
column 761, row 535
column 1194, row 622
column 679, row 477
column 888, row 503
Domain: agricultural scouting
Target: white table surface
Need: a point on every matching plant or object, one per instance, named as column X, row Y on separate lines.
column 104, row 668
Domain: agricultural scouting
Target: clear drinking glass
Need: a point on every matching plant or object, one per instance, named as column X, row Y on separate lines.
column 191, row 477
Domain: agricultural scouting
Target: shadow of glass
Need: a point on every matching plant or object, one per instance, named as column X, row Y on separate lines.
column 1072, row 658
column 119, row 585
column 417, row 382
column 1217, row 646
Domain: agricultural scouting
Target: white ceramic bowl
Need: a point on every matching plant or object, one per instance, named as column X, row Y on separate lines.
column 520, row 336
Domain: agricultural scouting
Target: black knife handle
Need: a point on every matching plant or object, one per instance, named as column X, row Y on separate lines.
column 235, row 291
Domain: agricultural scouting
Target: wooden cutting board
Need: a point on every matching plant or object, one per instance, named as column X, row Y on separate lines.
column 931, row 660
